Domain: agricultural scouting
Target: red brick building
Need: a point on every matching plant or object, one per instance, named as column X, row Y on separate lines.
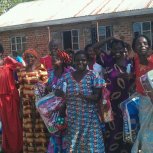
column 73, row 23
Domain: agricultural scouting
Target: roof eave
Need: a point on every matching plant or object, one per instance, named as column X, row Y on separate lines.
column 79, row 19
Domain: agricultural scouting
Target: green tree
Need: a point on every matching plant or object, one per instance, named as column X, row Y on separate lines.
column 5, row 5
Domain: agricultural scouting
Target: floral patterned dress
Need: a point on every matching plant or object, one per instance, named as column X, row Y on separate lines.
column 84, row 134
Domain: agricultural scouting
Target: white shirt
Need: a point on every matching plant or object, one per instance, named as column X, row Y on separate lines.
column 97, row 68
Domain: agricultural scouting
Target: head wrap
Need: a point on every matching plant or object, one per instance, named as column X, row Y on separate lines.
column 64, row 56
column 32, row 52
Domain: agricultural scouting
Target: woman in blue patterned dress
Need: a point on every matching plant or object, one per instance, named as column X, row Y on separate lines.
column 82, row 95
column 57, row 142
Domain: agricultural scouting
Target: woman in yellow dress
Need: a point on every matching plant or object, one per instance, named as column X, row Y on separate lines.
column 34, row 130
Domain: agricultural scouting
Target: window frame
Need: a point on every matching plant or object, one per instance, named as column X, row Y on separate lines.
column 16, row 43
column 78, row 30
column 105, row 26
column 142, row 31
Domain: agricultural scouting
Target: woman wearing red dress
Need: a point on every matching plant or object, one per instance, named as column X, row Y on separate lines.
column 47, row 60
column 143, row 64
column 9, row 106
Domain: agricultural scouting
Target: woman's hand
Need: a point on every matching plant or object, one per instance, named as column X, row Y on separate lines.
column 59, row 93
column 62, row 112
column 126, row 75
column 21, row 106
column 95, row 97
column 48, row 89
column 17, row 84
column 82, row 96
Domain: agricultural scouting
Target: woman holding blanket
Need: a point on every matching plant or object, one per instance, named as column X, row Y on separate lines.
column 143, row 64
column 57, row 142
column 82, row 95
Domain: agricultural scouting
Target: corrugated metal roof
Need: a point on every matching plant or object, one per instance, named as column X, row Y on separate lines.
column 42, row 11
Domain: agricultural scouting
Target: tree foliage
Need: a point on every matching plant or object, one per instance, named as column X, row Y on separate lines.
column 5, row 5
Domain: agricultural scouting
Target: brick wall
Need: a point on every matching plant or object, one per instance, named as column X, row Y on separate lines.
column 122, row 27
column 38, row 38
column 4, row 39
column 84, row 32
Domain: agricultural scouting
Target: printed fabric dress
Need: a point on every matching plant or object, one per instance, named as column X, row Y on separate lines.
column 9, row 108
column 57, row 141
column 34, row 130
column 84, row 127
column 118, row 87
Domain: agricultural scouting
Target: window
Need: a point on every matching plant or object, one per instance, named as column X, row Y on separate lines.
column 18, row 44
column 145, row 28
column 87, row 35
column 56, row 36
column 105, row 32
column 71, row 39
column 93, row 35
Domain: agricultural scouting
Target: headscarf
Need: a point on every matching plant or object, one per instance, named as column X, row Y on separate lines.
column 64, row 56
column 32, row 52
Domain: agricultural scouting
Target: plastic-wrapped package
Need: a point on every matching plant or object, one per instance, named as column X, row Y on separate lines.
column 106, row 106
column 130, row 110
column 39, row 90
column 49, row 109
column 147, row 83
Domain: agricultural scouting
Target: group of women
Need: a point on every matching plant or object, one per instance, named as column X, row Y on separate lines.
column 84, row 79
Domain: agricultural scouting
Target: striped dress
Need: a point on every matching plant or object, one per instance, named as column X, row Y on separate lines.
column 34, row 130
